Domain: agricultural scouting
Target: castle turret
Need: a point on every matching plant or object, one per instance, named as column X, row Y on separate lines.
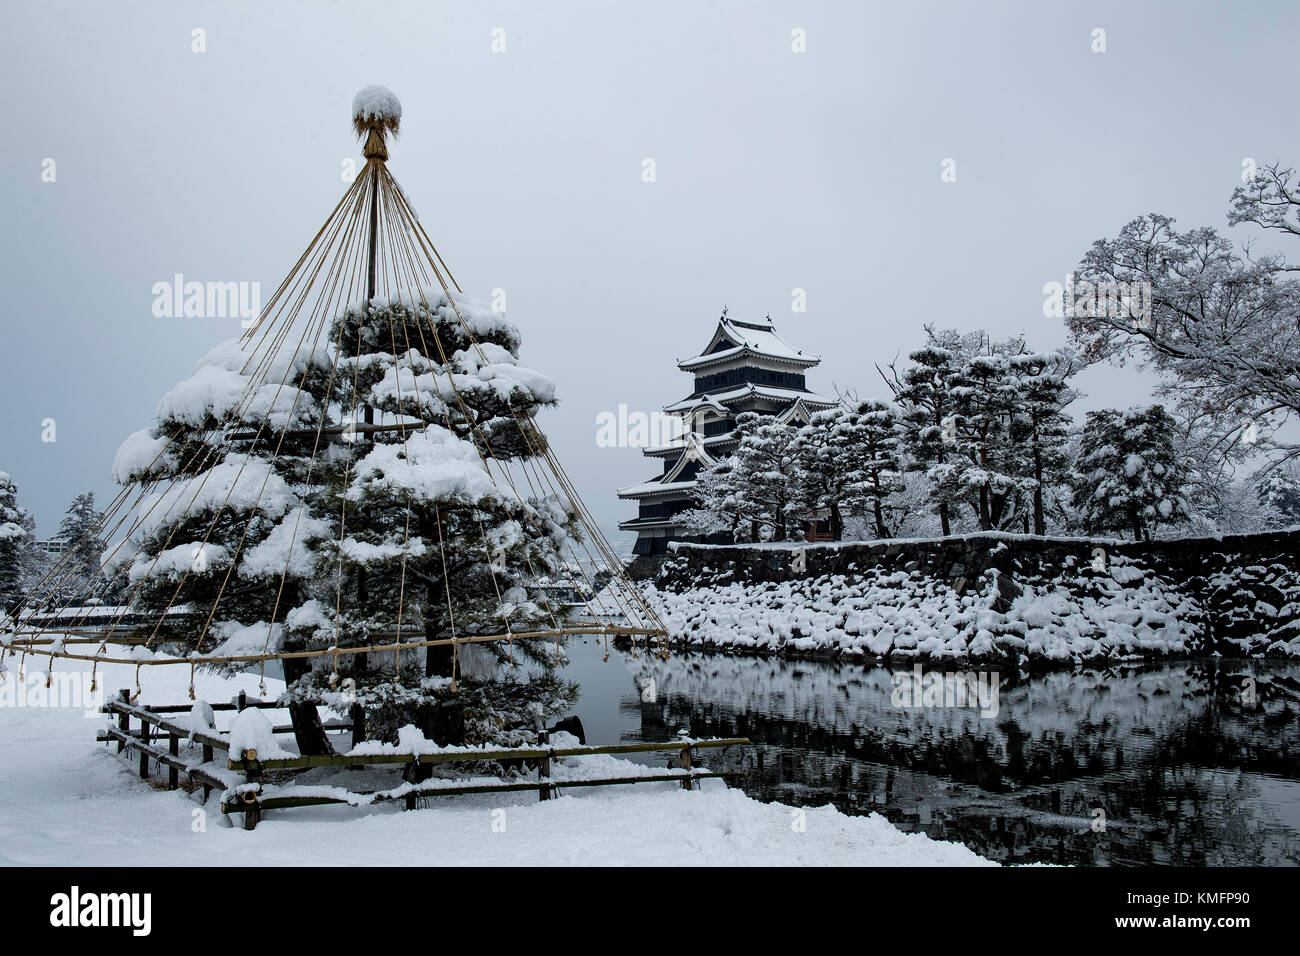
column 746, row 367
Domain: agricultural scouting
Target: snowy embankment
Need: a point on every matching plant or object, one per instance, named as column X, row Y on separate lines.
column 989, row 598
column 67, row 800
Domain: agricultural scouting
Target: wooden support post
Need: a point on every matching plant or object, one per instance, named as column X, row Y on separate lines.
column 144, row 757
column 252, row 774
column 123, row 721
column 544, row 768
column 684, row 761
column 410, row 801
column 173, row 775
column 207, row 758
column 357, row 714
column 242, row 701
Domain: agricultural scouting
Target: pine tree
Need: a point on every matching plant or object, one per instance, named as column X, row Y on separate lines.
column 80, row 529
column 1130, row 474
column 1040, row 424
column 290, row 525
column 923, row 392
column 988, row 463
column 423, row 539
column 1279, row 495
column 754, row 492
column 720, row 503
column 880, row 430
column 17, row 540
column 830, row 466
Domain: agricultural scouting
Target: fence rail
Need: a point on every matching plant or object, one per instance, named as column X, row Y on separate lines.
column 241, row 779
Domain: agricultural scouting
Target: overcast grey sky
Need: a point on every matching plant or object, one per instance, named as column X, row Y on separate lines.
column 775, row 170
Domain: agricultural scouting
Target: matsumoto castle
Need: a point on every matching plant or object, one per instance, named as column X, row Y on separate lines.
column 746, row 367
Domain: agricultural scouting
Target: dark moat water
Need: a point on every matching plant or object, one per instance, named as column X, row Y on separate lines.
column 1171, row 764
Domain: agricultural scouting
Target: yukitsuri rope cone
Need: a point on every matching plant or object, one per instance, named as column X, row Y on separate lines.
column 356, row 487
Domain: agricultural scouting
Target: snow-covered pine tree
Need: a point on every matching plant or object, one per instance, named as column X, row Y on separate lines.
column 220, row 544
column 764, row 467
column 879, row 430
column 988, row 462
column 1040, row 424
column 923, row 393
column 720, row 503
column 208, row 559
column 424, row 543
column 753, row 493
column 830, row 463
column 16, row 540
column 1130, row 475
column 1279, row 495
column 80, row 528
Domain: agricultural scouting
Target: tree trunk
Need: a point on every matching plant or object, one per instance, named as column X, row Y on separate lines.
column 308, row 730
column 837, row 522
column 1040, row 521
column 944, row 524
column 881, row 530
column 437, row 659
column 986, row 523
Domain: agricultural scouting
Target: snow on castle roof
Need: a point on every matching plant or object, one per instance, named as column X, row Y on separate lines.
column 758, row 337
column 744, row 391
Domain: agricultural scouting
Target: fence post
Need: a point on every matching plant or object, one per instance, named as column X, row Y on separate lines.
column 357, row 714
column 123, row 720
column 544, row 767
column 144, row 757
column 684, row 760
column 252, row 774
column 173, row 775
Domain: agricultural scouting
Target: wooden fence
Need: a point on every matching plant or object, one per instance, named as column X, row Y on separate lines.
column 243, row 789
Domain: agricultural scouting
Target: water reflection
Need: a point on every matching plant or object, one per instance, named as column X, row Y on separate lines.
column 1160, row 765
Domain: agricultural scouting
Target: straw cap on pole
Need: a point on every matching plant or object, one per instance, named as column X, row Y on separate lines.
column 376, row 110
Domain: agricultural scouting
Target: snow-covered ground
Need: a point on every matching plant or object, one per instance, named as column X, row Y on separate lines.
column 65, row 799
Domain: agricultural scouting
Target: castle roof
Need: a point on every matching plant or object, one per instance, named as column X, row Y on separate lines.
column 734, row 338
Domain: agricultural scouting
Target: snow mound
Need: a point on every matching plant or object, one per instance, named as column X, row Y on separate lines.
column 252, row 731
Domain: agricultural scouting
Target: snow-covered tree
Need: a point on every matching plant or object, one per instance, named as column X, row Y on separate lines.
column 844, row 460
column 754, row 496
column 877, row 427
column 422, row 538
column 275, row 516
column 720, row 503
column 80, row 528
column 1131, row 475
column 1278, row 494
column 1222, row 325
column 17, row 540
column 988, row 462
column 923, row 392
column 1040, row 424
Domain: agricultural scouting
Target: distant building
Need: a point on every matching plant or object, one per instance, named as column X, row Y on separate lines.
column 54, row 546
column 746, row 367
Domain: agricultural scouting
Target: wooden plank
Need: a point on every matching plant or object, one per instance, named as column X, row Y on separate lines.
column 144, row 714
column 274, row 802
column 523, row 753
